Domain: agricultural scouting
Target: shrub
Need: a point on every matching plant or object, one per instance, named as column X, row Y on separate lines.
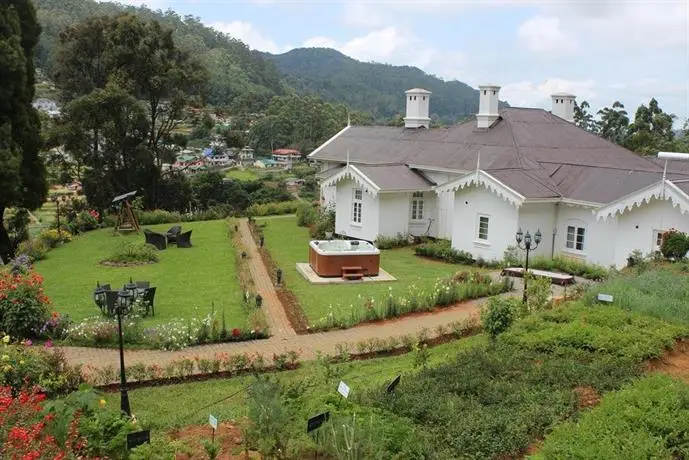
column 390, row 242
column 133, row 253
column 675, row 244
column 23, row 306
column 498, row 315
column 35, row 248
column 570, row 266
column 443, row 250
column 158, row 216
column 306, row 215
column 538, row 293
column 512, row 257
column 271, row 209
column 85, row 221
column 51, row 238
column 647, row 419
column 22, row 365
column 325, row 223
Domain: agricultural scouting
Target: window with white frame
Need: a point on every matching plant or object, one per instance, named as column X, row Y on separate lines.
column 482, row 230
column 417, row 206
column 357, row 205
column 658, row 239
column 575, row 237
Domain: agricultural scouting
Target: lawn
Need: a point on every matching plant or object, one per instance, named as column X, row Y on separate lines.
column 241, row 174
column 200, row 276
column 289, row 244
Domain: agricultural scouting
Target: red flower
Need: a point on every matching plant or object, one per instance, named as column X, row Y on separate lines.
column 236, row 332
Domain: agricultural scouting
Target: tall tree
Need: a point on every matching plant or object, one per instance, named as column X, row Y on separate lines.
column 22, row 172
column 652, row 130
column 583, row 118
column 140, row 57
column 614, row 122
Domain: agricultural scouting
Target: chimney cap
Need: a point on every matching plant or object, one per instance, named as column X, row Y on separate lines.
column 563, row 95
column 417, row 91
column 488, row 86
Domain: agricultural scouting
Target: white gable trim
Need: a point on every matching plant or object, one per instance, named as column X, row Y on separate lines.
column 480, row 177
column 326, row 143
column 663, row 190
column 353, row 173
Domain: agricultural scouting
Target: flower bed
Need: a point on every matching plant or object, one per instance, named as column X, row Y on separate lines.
column 174, row 335
column 23, row 305
column 462, row 286
column 22, row 364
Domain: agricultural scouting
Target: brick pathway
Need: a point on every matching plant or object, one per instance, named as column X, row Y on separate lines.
column 283, row 336
column 277, row 319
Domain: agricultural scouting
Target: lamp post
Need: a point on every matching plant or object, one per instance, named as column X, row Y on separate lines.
column 55, row 199
column 525, row 243
column 99, row 296
column 124, row 302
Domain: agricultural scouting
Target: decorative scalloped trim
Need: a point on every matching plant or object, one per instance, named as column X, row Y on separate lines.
column 676, row 198
column 478, row 179
column 348, row 173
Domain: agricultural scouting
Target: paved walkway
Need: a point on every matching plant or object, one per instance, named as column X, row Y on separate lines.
column 283, row 336
column 277, row 319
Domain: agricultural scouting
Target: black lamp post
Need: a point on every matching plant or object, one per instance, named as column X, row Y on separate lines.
column 99, row 296
column 261, row 240
column 278, row 276
column 124, row 303
column 55, row 199
column 132, row 288
column 525, row 243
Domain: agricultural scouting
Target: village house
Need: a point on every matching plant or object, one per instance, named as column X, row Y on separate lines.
column 286, row 156
column 476, row 183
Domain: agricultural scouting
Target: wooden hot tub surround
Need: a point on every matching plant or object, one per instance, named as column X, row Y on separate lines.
column 329, row 258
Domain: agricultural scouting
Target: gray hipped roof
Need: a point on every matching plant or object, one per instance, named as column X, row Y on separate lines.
column 532, row 151
column 390, row 178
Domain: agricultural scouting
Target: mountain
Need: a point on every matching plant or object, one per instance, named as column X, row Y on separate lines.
column 238, row 75
column 371, row 87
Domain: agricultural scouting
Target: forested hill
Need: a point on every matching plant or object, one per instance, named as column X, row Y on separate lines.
column 371, row 87
column 239, row 77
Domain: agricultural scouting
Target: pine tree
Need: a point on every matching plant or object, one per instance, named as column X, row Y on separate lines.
column 22, row 172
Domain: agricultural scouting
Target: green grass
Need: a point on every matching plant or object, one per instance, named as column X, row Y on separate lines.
column 153, row 407
column 185, row 278
column 647, row 419
column 658, row 292
column 289, row 244
column 242, row 174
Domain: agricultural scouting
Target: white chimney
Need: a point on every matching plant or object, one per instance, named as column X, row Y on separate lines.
column 487, row 106
column 563, row 106
column 417, row 108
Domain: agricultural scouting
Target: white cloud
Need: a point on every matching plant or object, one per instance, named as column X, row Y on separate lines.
column 320, row 42
column 531, row 94
column 543, row 35
column 246, row 32
column 363, row 14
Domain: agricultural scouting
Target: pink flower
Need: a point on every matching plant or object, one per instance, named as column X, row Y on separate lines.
column 49, row 344
column 28, row 342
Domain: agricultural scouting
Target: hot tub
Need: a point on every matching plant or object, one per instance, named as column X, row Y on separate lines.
column 328, row 257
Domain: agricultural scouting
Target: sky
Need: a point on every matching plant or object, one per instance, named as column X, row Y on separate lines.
column 600, row 50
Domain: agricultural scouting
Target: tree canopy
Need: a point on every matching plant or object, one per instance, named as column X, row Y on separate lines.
column 22, row 173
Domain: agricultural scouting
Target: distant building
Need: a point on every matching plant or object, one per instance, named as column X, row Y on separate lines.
column 246, row 155
column 286, row 156
column 47, row 106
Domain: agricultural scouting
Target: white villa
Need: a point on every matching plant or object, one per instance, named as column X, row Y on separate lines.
column 478, row 182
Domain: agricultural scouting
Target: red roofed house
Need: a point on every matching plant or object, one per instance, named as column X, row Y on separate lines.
column 478, row 182
column 286, row 156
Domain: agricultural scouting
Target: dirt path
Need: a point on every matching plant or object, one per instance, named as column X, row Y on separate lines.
column 675, row 363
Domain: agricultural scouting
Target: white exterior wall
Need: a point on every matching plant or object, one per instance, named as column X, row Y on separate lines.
column 430, row 216
column 368, row 229
column 470, row 203
column 394, row 213
column 329, row 196
column 636, row 228
column 444, row 206
column 538, row 216
column 599, row 235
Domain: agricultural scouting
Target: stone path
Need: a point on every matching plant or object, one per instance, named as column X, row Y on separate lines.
column 283, row 336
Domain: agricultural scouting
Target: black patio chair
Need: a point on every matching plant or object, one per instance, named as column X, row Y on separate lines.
column 110, row 302
column 148, row 299
column 156, row 239
column 173, row 233
column 184, row 239
column 141, row 286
